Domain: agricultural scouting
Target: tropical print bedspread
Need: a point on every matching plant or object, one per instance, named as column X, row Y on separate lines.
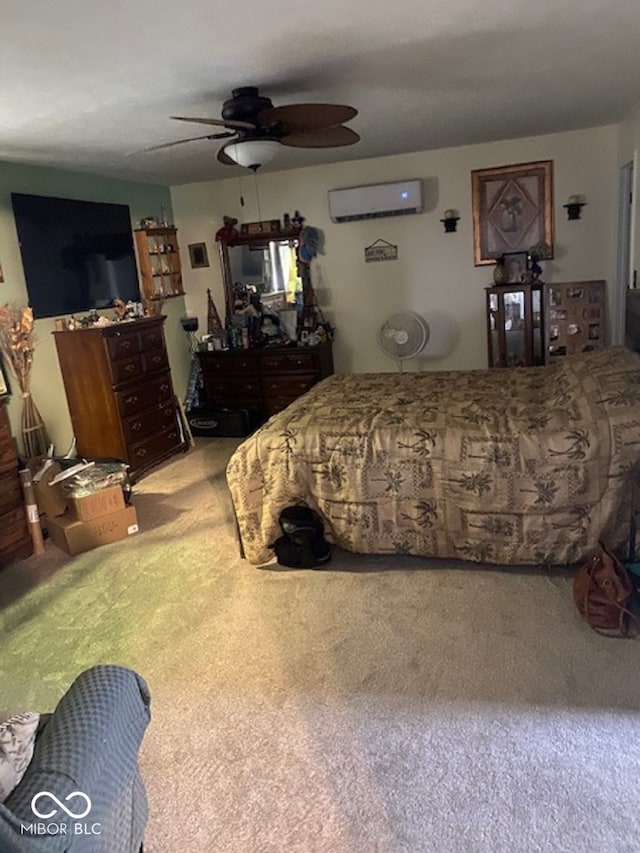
column 511, row 466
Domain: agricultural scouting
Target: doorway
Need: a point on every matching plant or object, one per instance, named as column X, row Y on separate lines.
column 625, row 276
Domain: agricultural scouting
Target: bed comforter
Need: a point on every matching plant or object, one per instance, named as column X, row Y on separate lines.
column 513, row 466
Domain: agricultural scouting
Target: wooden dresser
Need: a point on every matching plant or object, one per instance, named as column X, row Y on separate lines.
column 264, row 380
column 15, row 538
column 120, row 395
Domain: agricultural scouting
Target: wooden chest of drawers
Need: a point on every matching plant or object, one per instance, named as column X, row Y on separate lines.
column 120, row 395
column 15, row 538
column 265, row 380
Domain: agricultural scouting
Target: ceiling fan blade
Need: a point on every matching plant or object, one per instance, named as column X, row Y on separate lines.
column 182, row 141
column 303, row 117
column 328, row 137
column 219, row 122
column 223, row 157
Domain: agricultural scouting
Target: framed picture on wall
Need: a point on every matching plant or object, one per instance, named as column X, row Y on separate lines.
column 198, row 255
column 512, row 209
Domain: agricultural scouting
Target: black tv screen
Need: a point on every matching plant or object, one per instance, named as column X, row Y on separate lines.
column 77, row 255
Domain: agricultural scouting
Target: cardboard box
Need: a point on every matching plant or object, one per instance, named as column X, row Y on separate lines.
column 51, row 500
column 74, row 536
column 102, row 502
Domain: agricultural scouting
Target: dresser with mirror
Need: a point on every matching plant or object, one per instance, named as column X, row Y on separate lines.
column 266, row 376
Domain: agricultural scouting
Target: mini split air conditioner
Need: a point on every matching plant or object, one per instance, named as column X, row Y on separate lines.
column 375, row 201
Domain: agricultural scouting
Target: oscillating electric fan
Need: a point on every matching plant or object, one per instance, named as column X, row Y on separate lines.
column 403, row 336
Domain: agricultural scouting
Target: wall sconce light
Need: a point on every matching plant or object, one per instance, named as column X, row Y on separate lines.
column 450, row 221
column 574, row 205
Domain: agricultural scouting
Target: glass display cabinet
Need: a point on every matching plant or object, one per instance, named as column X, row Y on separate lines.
column 515, row 325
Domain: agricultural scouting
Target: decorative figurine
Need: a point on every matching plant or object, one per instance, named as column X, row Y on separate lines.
column 228, row 230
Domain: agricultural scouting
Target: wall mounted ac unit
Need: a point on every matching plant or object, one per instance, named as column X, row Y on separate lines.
column 375, row 201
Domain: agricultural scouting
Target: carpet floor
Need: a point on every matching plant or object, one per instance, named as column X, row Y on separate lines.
column 380, row 705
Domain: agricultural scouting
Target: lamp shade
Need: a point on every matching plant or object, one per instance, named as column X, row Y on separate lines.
column 253, row 153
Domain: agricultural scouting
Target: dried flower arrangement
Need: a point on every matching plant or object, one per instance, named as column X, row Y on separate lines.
column 17, row 345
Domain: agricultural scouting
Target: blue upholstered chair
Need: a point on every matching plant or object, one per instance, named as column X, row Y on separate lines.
column 85, row 757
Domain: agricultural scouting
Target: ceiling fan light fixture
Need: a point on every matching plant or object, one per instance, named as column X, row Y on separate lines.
column 253, row 153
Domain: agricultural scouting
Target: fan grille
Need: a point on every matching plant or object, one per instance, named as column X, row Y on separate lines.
column 403, row 335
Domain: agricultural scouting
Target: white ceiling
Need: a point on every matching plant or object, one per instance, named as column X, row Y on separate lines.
column 85, row 84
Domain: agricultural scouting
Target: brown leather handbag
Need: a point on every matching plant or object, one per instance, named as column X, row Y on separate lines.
column 602, row 591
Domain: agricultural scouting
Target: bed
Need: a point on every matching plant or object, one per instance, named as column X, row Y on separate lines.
column 521, row 466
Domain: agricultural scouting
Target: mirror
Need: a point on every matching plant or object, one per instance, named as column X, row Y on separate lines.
column 266, row 263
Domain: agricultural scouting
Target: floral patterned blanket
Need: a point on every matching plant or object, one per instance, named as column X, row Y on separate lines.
column 512, row 466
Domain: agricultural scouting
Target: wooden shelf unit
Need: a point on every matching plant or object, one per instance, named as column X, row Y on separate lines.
column 159, row 262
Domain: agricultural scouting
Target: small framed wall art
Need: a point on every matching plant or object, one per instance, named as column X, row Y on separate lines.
column 198, row 255
column 512, row 209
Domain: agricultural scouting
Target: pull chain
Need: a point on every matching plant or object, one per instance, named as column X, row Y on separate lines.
column 255, row 179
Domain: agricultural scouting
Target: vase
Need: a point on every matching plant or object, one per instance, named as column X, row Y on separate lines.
column 500, row 274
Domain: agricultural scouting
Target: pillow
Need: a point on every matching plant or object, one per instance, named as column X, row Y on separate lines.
column 17, row 739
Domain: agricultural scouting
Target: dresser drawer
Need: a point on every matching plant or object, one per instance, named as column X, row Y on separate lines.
column 15, row 531
column 122, row 345
column 234, row 387
column 149, row 422
column 229, row 362
column 143, row 454
column 10, row 492
column 8, row 459
column 288, row 386
column 146, row 395
column 155, row 360
column 273, row 405
column 127, row 368
column 297, row 359
column 152, row 339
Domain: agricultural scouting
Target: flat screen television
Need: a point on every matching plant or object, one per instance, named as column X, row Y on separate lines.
column 77, row 255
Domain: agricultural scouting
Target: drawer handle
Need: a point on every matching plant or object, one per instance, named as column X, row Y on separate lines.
column 164, row 387
column 130, row 367
column 157, row 359
column 136, row 427
column 125, row 344
column 141, row 451
column 132, row 399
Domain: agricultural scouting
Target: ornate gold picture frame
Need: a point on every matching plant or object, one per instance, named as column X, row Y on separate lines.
column 512, row 209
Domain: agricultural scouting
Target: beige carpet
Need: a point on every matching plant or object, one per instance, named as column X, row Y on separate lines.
column 381, row 704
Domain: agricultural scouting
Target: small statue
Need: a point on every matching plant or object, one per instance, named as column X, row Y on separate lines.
column 120, row 309
column 228, row 230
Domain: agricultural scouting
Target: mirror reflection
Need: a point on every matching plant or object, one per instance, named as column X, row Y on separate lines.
column 270, row 268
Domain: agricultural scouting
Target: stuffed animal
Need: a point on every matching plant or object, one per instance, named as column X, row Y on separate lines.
column 228, row 230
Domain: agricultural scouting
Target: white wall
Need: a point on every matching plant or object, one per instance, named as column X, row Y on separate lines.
column 434, row 273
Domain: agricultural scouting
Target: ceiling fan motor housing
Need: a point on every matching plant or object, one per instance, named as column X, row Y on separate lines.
column 245, row 105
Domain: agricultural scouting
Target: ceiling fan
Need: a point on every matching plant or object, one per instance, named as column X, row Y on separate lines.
column 258, row 129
